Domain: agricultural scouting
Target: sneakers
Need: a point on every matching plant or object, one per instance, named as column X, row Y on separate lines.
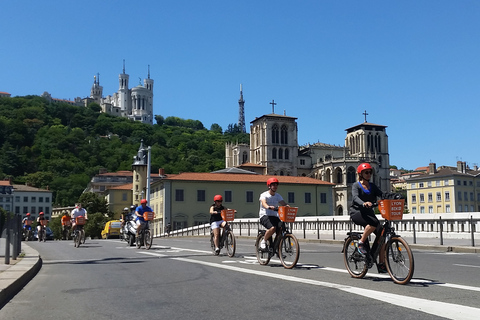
column 217, row 250
column 263, row 244
column 361, row 248
column 382, row 268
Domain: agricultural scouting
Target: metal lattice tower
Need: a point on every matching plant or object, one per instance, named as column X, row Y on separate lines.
column 241, row 112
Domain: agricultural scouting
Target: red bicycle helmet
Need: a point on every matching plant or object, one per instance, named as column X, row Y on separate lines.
column 272, row 180
column 363, row 166
column 218, row 198
column 28, row 214
column 41, row 213
column 143, row 201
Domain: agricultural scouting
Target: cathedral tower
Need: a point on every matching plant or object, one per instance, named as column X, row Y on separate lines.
column 96, row 93
column 241, row 112
column 124, row 93
column 140, row 167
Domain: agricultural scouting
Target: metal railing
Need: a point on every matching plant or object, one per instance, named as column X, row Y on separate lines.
column 13, row 236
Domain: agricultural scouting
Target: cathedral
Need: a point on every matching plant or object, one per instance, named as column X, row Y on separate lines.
column 274, row 150
column 135, row 103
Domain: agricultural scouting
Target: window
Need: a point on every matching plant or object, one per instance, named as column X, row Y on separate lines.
column 284, row 135
column 34, row 199
column 287, row 154
column 178, row 194
column 201, row 195
column 124, row 196
column 429, row 183
column 291, row 197
column 420, row 185
column 465, row 196
column 25, row 199
column 422, row 197
column 40, row 199
column 323, row 197
column 414, row 198
column 447, row 196
column 280, row 153
column 439, row 196
column 471, row 197
column 445, row 183
column 459, row 195
column 466, row 208
column 25, row 210
column 464, row 183
column 430, row 209
column 412, row 186
column 414, row 210
column 274, row 153
column 228, row 196
column 47, row 199
column 308, row 197
column 459, row 208
column 422, row 209
column 275, row 134
column 430, row 197
column 302, row 162
column 249, row 196
column 459, row 183
column 447, row 208
column 437, row 183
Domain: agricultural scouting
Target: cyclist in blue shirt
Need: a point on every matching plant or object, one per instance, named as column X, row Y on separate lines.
column 139, row 214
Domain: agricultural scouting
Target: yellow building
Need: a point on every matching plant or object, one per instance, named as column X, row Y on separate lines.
column 184, row 199
column 118, row 198
column 445, row 190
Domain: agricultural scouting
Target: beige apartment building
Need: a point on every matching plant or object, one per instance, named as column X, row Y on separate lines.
column 445, row 190
column 184, row 199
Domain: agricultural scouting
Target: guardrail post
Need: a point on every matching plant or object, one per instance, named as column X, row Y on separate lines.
column 318, row 229
column 333, row 228
column 472, row 227
column 441, row 231
column 7, row 238
column 414, row 231
column 304, row 230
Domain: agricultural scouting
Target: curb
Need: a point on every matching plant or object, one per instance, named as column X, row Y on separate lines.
column 17, row 276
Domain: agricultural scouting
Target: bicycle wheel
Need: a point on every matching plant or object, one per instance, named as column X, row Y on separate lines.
column 78, row 239
column 355, row 262
column 230, row 243
column 289, row 251
column 263, row 255
column 212, row 242
column 139, row 239
column 399, row 260
column 148, row 239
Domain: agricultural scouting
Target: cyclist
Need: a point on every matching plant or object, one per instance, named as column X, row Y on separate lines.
column 269, row 201
column 139, row 214
column 364, row 195
column 77, row 212
column 41, row 216
column 66, row 225
column 27, row 223
column 216, row 221
column 125, row 213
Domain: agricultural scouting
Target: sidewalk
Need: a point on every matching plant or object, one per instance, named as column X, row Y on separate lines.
column 14, row 276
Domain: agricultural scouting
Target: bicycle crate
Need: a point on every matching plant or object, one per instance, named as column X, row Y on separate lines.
column 80, row 220
column 391, row 209
column 28, row 222
column 287, row 214
column 148, row 216
column 228, row 214
column 44, row 222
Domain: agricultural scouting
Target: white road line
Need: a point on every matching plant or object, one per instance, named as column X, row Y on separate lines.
column 466, row 265
column 437, row 308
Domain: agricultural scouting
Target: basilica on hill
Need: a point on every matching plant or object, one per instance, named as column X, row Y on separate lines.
column 274, row 150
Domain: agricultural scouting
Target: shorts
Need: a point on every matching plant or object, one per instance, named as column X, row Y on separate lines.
column 216, row 224
column 365, row 218
column 140, row 222
column 271, row 221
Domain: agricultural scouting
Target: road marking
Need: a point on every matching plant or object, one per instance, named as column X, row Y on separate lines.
column 466, row 265
column 437, row 308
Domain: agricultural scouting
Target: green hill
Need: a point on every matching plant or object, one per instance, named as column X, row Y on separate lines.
column 60, row 147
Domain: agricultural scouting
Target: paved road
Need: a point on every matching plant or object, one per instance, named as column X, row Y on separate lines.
column 179, row 278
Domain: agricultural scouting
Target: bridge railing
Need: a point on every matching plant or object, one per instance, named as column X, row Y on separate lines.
column 417, row 228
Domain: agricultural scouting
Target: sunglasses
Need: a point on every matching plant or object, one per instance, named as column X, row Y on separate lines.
column 367, row 172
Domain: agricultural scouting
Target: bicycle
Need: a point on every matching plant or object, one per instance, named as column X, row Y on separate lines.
column 42, row 233
column 145, row 236
column 398, row 255
column 285, row 244
column 227, row 238
column 79, row 233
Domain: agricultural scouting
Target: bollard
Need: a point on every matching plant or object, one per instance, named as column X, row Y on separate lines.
column 472, row 231
column 414, row 232
column 304, row 230
column 333, row 228
column 7, row 242
column 318, row 230
column 441, row 231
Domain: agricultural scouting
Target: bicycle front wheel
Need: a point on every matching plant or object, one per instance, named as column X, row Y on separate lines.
column 263, row 255
column 148, row 239
column 399, row 260
column 289, row 251
column 355, row 262
column 77, row 239
column 139, row 239
column 230, row 243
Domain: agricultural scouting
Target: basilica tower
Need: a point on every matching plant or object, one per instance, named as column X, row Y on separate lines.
column 140, row 168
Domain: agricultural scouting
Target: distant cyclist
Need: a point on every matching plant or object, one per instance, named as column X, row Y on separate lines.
column 66, row 225
column 77, row 212
column 40, row 226
column 27, row 222
column 269, row 201
column 216, row 221
column 364, row 195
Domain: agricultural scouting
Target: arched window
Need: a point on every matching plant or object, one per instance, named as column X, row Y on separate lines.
column 351, row 178
column 339, row 176
column 274, row 153
column 284, row 135
column 280, row 153
column 287, row 153
column 244, row 157
column 275, row 134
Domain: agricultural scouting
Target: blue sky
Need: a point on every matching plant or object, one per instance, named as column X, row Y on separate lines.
column 414, row 65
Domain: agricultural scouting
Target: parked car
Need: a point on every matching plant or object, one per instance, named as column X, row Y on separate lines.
column 112, row 229
column 49, row 234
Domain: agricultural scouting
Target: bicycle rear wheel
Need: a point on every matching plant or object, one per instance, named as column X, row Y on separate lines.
column 263, row 255
column 355, row 262
column 289, row 251
column 148, row 236
column 399, row 260
column 212, row 242
column 230, row 243
column 77, row 239
column 139, row 239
